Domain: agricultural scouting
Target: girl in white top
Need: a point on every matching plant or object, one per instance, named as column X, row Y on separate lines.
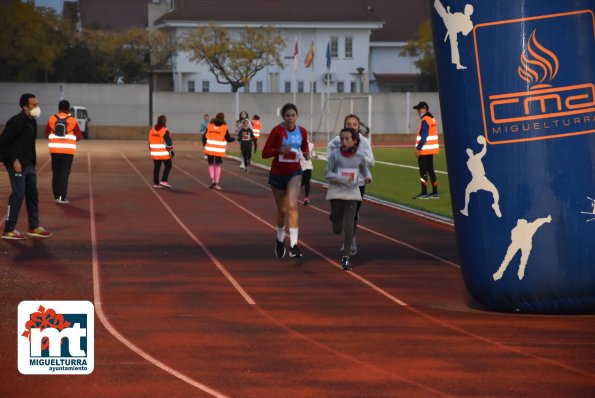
column 345, row 170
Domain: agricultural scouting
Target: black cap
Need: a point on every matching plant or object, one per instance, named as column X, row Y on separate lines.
column 422, row 104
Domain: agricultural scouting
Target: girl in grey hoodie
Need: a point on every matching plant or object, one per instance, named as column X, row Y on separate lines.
column 346, row 168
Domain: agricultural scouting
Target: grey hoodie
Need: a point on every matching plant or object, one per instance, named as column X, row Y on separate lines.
column 338, row 167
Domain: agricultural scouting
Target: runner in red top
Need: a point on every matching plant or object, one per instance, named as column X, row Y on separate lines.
column 285, row 178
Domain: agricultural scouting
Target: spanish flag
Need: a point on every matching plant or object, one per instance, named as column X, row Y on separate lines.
column 310, row 56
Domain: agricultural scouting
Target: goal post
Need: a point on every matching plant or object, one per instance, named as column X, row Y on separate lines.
column 334, row 110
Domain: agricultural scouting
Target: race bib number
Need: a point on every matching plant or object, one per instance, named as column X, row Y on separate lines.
column 349, row 173
column 291, row 157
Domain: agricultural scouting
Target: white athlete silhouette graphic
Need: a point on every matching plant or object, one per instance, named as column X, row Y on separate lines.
column 592, row 212
column 455, row 23
column 479, row 181
column 522, row 239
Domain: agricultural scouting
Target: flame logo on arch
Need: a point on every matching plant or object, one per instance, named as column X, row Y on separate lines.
column 538, row 64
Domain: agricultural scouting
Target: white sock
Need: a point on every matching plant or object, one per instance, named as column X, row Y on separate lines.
column 293, row 236
column 281, row 234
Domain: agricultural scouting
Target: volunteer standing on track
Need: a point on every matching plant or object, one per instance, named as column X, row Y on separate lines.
column 363, row 147
column 162, row 151
column 63, row 132
column 345, row 170
column 215, row 142
column 283, row 145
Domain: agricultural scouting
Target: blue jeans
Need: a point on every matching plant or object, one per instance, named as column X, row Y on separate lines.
column 24, row 186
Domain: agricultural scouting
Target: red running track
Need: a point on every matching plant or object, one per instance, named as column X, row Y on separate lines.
column 190, row 300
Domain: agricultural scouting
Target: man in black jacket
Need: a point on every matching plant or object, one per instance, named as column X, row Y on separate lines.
column 17, row 145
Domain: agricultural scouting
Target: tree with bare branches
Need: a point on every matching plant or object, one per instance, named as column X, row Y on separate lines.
column 235, row 61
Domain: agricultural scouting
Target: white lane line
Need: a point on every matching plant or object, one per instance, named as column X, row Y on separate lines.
column 103, row 318
column 273, row 227
column 405, row 166
column 214, row 259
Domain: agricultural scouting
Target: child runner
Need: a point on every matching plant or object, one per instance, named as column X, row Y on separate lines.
column 162, row 151
column 365, row 149
column 307, row 168
column 215, row 141
column 283, row 145
column 239, row 125
column 247, row 141
column 345, row 169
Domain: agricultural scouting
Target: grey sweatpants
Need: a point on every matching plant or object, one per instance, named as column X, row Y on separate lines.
column 342, row 216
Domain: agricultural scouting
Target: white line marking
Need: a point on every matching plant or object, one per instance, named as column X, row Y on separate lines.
column 405, row 166
column 273, row 227
column 214, row 259
column 103, row 318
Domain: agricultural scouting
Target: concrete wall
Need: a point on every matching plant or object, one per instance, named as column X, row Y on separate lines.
column 122, row 111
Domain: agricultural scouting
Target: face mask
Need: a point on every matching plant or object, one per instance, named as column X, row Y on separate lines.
column 35, row 112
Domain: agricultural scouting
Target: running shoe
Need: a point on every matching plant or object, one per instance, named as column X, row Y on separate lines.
column 218, row 187
column 62, row 201
column 13, row 235
column 306, row 201
column 345, row 264
column 422, row 196
column 165, row 184
column 156, row 186
column 295, row 251
column 212, row 185
column 39, row 232
column 280, row 249
column 434, row 196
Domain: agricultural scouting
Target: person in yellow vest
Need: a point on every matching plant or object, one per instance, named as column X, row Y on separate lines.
column 62, row 132
column 162, row 151
column 215, row 142
column 256, row 129
column 426, row 147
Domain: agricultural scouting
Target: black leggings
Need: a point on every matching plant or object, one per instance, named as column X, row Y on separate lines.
column 306, row 176
column 426, row 166
column 342, row 217
column 157, row 166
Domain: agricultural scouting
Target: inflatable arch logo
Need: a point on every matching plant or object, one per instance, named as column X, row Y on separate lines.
column 545, row 98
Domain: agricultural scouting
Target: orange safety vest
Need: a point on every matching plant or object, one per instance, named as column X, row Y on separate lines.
column 64, row 145
column 216, row 142
column 157, row 144
column 256, row 126
column 431, row 146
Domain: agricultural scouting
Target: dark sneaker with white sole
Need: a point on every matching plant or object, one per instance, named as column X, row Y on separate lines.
column 295, row 251
column 345, row 264
column 280, row 249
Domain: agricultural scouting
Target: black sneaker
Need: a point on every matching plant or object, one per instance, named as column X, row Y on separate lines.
column 280, row 249
column 295, row 251
column 435, row 195
column 421, row 196
column 345, row 264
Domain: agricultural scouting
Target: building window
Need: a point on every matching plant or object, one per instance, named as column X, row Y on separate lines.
column 205, row 86
column 313, row 87
column 340, row 87
column 334, row 47
column 353, row 87
column 349, row 47
column 287, row 86
column 259, row 87
column 190, row 86
column 300, row 87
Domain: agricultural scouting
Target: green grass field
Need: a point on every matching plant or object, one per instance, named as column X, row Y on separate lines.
column 396, row 182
